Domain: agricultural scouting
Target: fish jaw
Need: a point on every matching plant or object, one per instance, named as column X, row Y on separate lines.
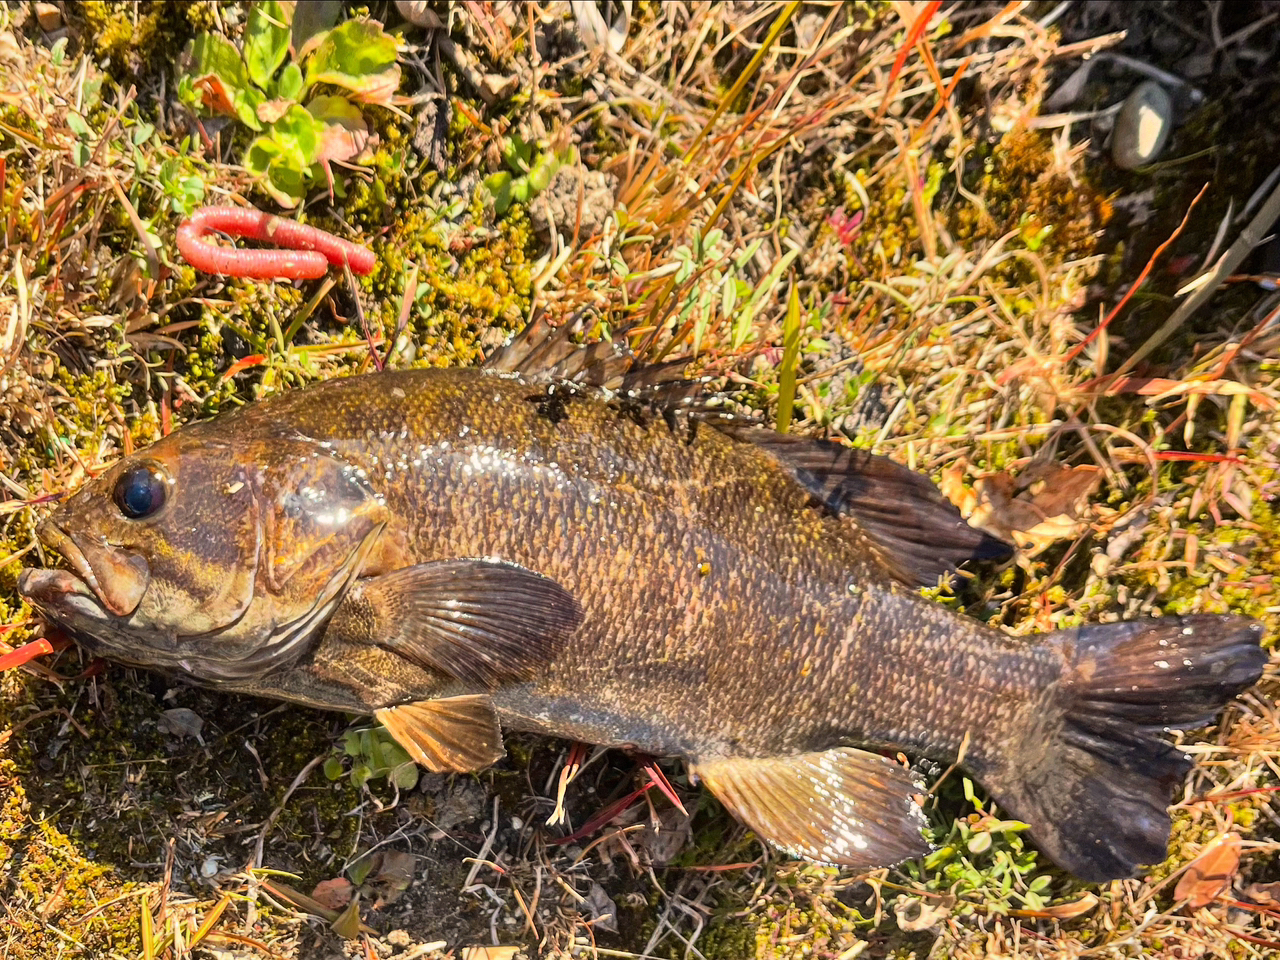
column 66, row 599
column 117, row 577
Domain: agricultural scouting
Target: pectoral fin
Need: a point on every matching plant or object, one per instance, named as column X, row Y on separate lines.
column 841, row 806
column 484, row 622
column 449, row 735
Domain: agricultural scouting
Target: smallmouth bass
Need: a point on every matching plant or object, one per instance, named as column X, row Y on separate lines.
column 453, row 551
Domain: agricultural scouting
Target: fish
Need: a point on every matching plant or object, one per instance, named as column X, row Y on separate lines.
column 571, row 543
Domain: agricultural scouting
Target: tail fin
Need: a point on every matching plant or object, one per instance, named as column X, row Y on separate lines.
column 1092, row 775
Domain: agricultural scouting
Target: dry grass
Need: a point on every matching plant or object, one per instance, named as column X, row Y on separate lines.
column 955, row 303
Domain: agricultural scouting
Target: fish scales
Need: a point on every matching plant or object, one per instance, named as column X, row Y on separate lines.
column 628, row 517
column 449, row 550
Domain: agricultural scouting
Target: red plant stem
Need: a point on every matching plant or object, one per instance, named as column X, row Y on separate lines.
column 309, row 252
column 913, row 35
column 1142, row 278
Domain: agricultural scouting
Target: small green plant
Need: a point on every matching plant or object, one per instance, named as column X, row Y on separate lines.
column 529, row 174
column 373, row 753
column 305, row 109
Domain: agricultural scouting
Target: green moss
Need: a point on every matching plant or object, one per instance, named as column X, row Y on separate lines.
column 128, row 36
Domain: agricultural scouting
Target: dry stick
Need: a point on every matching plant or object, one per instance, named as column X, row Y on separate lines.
column 1249, row 238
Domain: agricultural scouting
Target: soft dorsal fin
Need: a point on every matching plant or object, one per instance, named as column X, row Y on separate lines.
column 918, row 535
column 449, row 735
column 841, row 806
column 481, row 621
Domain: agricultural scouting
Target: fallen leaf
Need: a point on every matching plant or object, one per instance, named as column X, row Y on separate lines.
column 1076, row 908
column 1211, row 873
column 181, row 722
column 1043, row 504
column 602, row 909
column 347, row 926
column 333, row 894
column 389, row 875
column 1263, row 894
column 915, row 915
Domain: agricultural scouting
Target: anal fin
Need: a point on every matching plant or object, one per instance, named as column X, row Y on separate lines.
column 448, row 735
column 842, row 806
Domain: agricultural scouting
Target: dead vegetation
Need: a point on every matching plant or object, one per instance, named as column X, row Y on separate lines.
column 884, row 223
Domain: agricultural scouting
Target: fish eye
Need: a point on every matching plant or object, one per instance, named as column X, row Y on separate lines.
column 141, row 491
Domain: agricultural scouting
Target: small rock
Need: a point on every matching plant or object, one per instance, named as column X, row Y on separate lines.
column 419, row 13
column 48, row 16
column 181, row 722
column 1142, row 126
column 559, row 204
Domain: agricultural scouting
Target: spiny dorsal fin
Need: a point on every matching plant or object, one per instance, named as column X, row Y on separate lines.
column 918, row 535
column 841, row 806
column 544, row 354
column 449, row 735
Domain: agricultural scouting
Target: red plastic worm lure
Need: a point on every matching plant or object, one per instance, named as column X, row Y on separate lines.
column 308, row 252
column 29, row 651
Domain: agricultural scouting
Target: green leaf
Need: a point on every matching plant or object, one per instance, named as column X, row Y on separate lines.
column 360, row 775
column 310, row 20
column 357, row 56
column 790, row 354
column 266, row 41
column 333, row 768
column 219, row 78
column 256, row 160
column 542, row 172
column 359, row 871
column 287, row 181
column 77, row 125
column 142, row 133
column 298, row 133
column 499, row 187
column 405, row 776
column 518, row 153
column 289, row 86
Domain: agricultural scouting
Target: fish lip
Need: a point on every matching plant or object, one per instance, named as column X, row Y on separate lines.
column 58, row 540
column 51, row 587
column 129, row 572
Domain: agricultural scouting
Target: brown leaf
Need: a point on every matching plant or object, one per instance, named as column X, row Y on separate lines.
column 270, row 111
column 1211, row 873
column 1045, row 503
column 390, row 874
column 1263, row 894
column 333, row 894
column 1065, row 911
column 213, row 94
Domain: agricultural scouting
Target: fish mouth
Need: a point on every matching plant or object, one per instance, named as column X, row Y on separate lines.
column 111, row 577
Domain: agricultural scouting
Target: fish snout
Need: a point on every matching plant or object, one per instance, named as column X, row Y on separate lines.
column 116, row 576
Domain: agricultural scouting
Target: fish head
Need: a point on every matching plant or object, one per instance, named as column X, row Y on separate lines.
column 209, row 554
